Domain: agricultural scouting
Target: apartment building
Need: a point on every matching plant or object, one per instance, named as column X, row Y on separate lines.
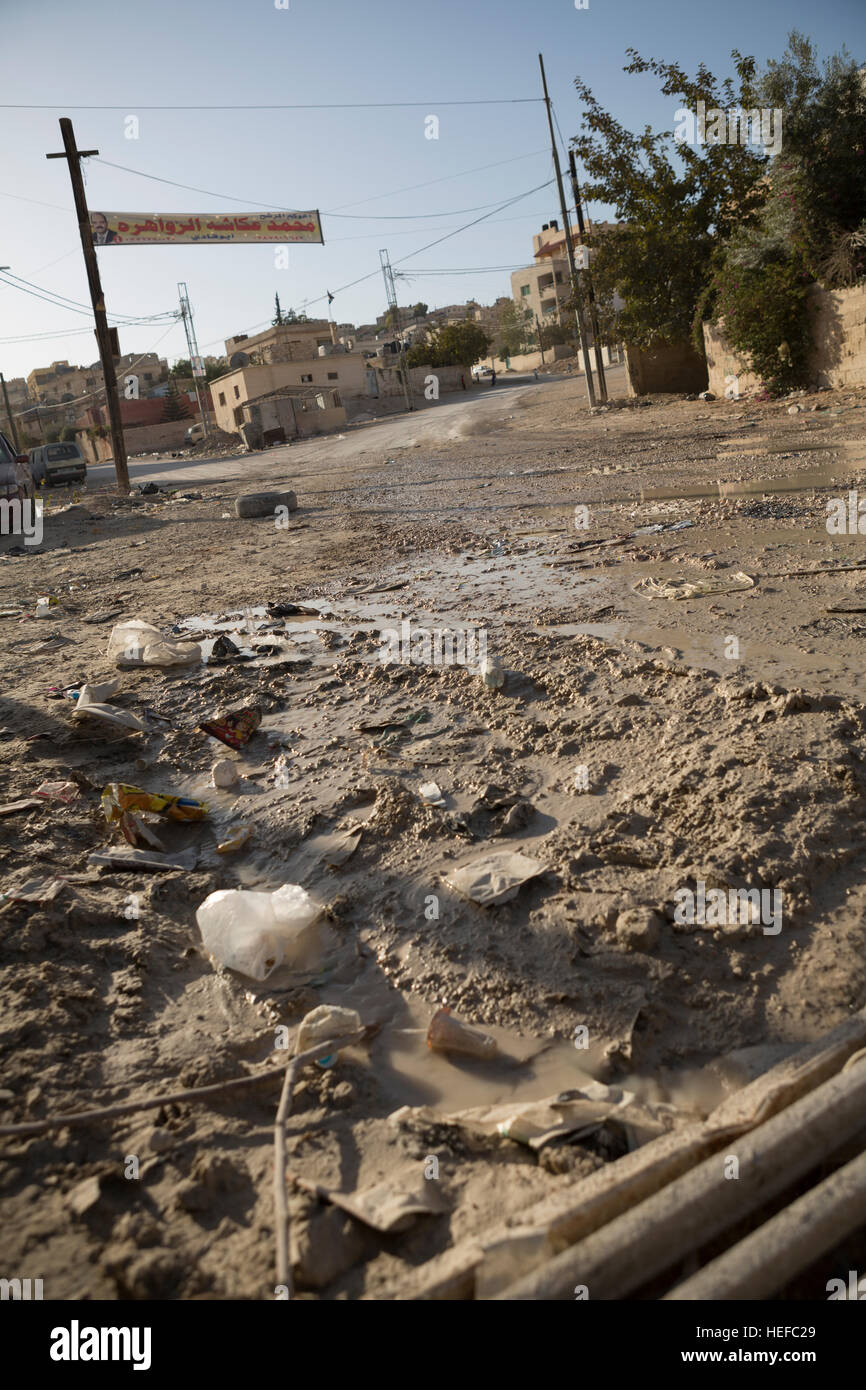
column 544, row 288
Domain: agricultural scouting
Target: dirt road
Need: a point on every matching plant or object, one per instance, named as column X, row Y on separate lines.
column 648, row 739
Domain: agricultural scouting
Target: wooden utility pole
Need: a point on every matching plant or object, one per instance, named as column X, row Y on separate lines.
column 575, row 287
column 593, row 316
column 9, row 416
column 73, row 157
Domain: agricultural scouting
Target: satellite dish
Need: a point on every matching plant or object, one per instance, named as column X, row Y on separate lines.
column 239, row 359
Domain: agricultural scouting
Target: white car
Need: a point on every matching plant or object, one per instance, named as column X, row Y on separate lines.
column 481, row 370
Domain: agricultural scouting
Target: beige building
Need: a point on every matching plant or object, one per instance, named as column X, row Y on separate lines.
column 544, row 288
column 345, row 372
column 287, row 342
column 287, row 414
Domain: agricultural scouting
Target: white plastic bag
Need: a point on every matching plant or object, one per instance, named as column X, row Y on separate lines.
column 137, row 643
column 255, row 932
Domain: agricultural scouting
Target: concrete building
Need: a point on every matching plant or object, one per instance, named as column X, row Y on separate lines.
column 345, row 372
column 292, row 341
column 290, row 414
column 544, row 288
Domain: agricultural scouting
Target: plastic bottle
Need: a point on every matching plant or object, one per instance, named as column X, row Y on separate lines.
column 255, row 932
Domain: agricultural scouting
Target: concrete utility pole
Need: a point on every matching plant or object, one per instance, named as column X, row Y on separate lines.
column 73, row 157
column 590, row 391
column 593, row 316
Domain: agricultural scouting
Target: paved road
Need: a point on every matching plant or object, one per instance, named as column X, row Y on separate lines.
column 391, row 433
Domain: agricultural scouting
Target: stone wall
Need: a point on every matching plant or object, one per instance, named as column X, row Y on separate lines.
column 140, row 439
column 669, row 367
column 837, row 320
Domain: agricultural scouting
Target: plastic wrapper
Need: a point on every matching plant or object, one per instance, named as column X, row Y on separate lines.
column 235, row 728
column 137, row 643
column 121, row 803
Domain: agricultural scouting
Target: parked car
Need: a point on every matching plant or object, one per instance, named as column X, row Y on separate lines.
column 481, row 370
column 194, row 434
column 15, row 480
column 57, row 463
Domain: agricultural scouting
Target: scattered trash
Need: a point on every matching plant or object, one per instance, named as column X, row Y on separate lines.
column 44, row 607
column 103, row 615
column 235, row 728
column 255, row 932
column 683, row 588
column 342, row 846
column 573, row 1114
column 223, row 649
column 27, row 803
column 236, row 840
column 137, row 643
column 432, row 794
column 323, row 1023
column 292, row 610
column 58, row 791
column 496, row 878
column 224, row 773
column 121, row 803
column 389, row 1206
column 448, row 1034
column 89, row 708
column 122, row 858
column 36, row 890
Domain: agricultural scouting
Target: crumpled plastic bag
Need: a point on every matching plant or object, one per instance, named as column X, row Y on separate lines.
column 692, row 588
column 137, row 643
column 496, row 878
column 255, row 932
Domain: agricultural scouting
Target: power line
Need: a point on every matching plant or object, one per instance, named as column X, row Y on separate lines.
column 74, row 306
column 374, row 273
column 277, row 106
column 361, row 216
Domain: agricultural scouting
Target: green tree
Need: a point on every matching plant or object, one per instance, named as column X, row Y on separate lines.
column 455, row 345
column 812, row 225
column 176, row 405
column 676, row 202
column 419, row 310
column 516, row 331
column 182, row 367
column 67, row 434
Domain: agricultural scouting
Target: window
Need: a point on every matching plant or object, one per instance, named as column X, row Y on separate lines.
column 308, row 377
column 239, row 415
column 332, row 376
column 524, row 289
column 222, row 397
column 237, row 393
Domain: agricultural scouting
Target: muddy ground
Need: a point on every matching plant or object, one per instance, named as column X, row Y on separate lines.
column 639, row 745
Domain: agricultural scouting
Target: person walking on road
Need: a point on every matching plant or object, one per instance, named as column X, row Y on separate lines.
column 493, row 377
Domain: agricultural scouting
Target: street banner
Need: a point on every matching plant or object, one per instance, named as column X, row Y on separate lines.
column 188, row 229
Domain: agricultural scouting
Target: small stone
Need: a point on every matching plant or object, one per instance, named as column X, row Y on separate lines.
column 638, row 928
column 794, row 409
column 84, row 1196
column 224, row 773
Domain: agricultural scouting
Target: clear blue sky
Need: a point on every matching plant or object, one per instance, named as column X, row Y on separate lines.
column 213, row 53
